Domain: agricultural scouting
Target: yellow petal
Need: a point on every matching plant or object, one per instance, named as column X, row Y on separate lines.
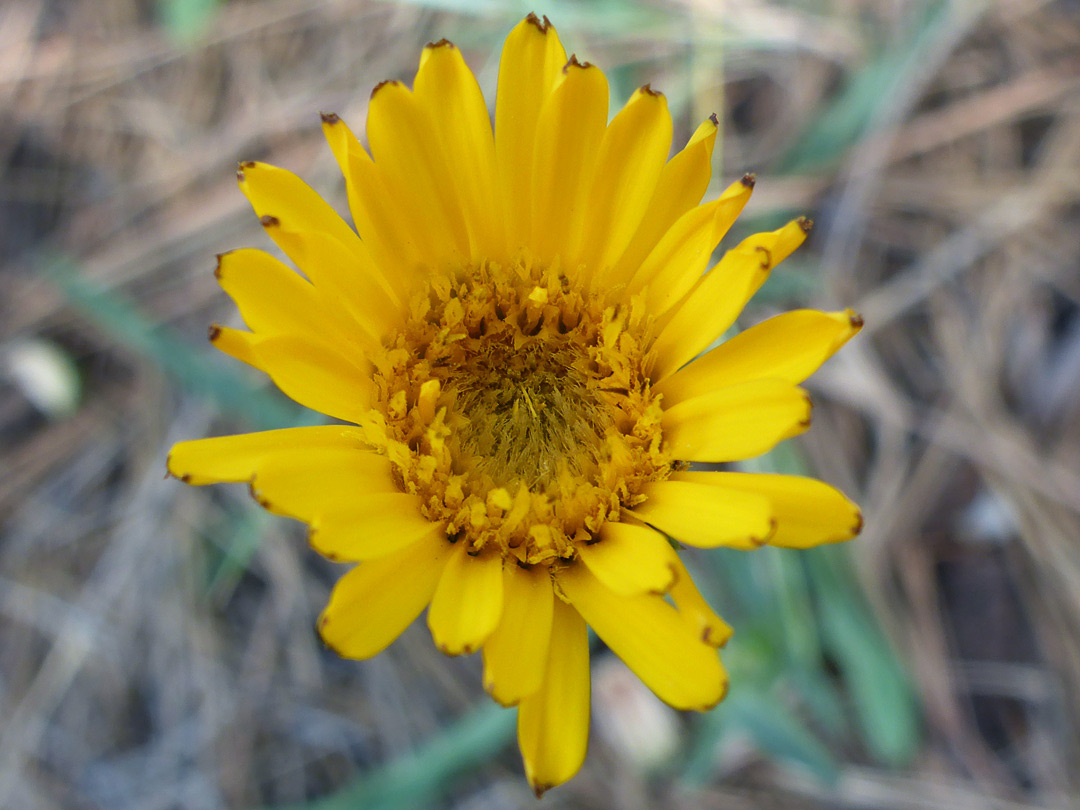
column 468, row 602
column 373, row 604
column 632, row 155
column 650, row 637
column 236, row 343
column 278, row 193
column 630, row 559
column 553, row 723
column 516, row 653
column 346, row 276
column 317, row 376
column 808, row 512
column 790, row 347
column 532, row 59
column 275, row 299
column 376, row 214
column 719, row 297
column 238, row 458
column 400, row 132
column 737, row 422
column 682, row 183
column 681, row 256
column 303, row 482
column 693, row 608
column 569, row 132
column 370, row 525
column 709, row 517
column 445, row 85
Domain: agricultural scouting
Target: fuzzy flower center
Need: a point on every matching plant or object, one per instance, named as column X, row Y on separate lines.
column 516, row 406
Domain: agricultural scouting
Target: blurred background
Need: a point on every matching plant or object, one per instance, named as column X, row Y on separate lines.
column 158, row 644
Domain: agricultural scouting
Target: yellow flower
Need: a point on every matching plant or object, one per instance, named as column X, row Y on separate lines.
column 510, row 341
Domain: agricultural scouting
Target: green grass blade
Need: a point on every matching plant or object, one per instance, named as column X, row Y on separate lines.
column 185, row 20
column 416, row 780
column 858, row 106
column 885, row 703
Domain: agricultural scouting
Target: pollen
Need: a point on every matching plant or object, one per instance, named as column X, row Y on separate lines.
column 517, row 406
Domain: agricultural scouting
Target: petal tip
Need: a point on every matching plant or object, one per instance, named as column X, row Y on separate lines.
column 243, row 166
column 330, row 119
column 543, row 25
column 442, row 43
column 540, row 790
column 749, row 179
column 806, row 224
column 268, row 221
column 573, row 62
column 321, row 625
column 213, row 332
column 714, row 119
column 856, row 320
column 170, row 473
column 383, row 84
column 257, row 496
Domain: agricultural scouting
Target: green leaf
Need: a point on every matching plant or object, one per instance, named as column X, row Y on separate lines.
column 777, row 731
column 885, row 704
column 886, row 709
column 819, row 695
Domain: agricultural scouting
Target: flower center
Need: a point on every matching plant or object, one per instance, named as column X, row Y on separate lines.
column 527, row 415
column 516, row 406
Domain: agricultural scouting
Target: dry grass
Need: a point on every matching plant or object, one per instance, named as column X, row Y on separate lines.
column 133, row 677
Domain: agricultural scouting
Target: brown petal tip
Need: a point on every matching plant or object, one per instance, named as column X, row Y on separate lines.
column 442, row 43
column 714, row 119
column 858, row 524
column 381, row 85
column 257, row 497
column 330, row 118
column 856, row 320
column 214, row 332
column 748, row 179
column 647, row 89
column 217, row 267
column 268, row 221
column 541, row 24
column 573, row 62
column 242, row 166
column 806, row 224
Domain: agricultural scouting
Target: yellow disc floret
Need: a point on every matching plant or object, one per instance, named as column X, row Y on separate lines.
column 517, row 406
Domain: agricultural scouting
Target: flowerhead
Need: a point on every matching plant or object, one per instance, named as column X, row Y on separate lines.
column 507, row 342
